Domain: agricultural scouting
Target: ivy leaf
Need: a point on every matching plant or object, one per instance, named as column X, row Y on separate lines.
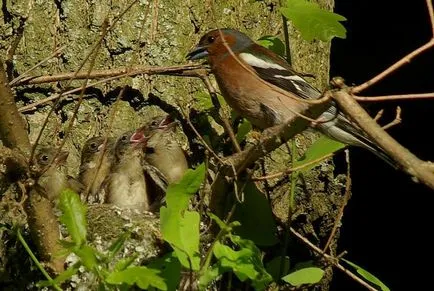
column 243, row 130
column 182, row 233
column 73, row 216
column 141, row 276
column 170, row 270
column 273, row 43
column 274, row 267
column 62, row 277
column 320, row 148
column 256, row 217
column 314, row 22
column 124, row 263
column 246, row 261
column 368, row 276
column 178, row 194
column 309, row 275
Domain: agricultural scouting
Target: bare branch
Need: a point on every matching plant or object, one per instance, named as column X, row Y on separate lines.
column 393, row 67
column 12, row 127
column 331, row 260
column 183, row 70
column 408, row 161
column 394, row 97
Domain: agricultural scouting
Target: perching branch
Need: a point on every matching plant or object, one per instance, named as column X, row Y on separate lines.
column 408, row 161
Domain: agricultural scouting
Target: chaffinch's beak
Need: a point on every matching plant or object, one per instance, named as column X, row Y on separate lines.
column 198, row 52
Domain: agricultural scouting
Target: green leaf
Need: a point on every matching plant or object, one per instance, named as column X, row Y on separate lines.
column 73, row 215
column 256, row 217
column 314, row 22
column 209, row 275
column 274, row 267
column 246, row 262
column 243, row 129
column 88, row 256
column 273, row 43
column 204, row 102
column 170, row 270
column 124, row 263
column 62, row 277
column 320, row 148
column 141, row 276
column 179, row 194
column 368, row 276
column 182, row 232
column 310, row 275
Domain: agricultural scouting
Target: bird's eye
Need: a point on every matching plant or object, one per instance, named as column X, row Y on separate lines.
column 211, row 39
column 44, row 159
column 124, row 138
column 154, row 123
column 93, row 146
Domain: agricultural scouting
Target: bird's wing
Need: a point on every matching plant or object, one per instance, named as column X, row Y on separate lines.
column 273, row 69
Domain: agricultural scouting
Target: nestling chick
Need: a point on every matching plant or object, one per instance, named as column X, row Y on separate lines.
column 53, row 177
column 127, row 183
column 96, row 159
column 162, row 150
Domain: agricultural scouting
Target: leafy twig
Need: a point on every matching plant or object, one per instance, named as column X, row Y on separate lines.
column 332, row 260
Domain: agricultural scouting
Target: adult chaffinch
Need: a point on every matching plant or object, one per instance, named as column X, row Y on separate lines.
column 97, row 157
column 258, row 85
column 127, row 185
column 162, row 150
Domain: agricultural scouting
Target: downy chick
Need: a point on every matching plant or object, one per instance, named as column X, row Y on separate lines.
column 96, row 159
column 127, row 183
column 53, row 177
column 162, row 150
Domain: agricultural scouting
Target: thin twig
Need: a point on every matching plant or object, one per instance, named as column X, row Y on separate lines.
column 34, row 105
column 225, row 120
column 407, row 160
column 184, row 70
column 379, row 115
column 431, row 14
column 345, row 200
column 396, row 121
column 290, row 170
column 332, row 260
column 394, row 97
column 20, row 77
column 393, row 67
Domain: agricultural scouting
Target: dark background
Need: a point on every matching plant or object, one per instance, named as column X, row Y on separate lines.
column 388, row 223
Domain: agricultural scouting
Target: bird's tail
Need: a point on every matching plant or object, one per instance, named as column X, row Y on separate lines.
column 342, row 130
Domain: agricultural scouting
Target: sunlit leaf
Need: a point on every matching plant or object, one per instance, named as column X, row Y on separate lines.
column 273, row 43
column 182, row 232
column 312, row 21
column 320, row 148
column 245, row 261
column 243, row 129
column 141, row 276
column 73, row 215
column 88, row 256
column 310, row 275
column 178, row 194
column 368, row 276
